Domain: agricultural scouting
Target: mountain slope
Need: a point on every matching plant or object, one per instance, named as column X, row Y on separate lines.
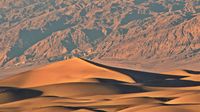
column 136, row 30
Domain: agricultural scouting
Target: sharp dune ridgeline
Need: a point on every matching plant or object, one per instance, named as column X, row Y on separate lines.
column 78, row 85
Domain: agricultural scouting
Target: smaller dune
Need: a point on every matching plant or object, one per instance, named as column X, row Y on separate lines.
column 78, row 89
column 139, row 107
column 164, row 109
column 192, row 78
column 187, row 99
column 178, row 73
column 83, row 89
column 189, row 75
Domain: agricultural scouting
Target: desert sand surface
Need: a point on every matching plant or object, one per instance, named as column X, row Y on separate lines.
column 78, row 85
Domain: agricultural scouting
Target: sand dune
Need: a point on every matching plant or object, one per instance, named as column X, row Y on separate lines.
column 187, row 99
column 79, row 85
column 180, row 108
column 73, row 70
column 179, row 73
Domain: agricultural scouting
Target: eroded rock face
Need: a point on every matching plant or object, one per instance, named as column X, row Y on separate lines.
column 35, row 30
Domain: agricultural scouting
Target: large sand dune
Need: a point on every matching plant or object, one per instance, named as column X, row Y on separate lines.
column 73, row 70
column 78, row 85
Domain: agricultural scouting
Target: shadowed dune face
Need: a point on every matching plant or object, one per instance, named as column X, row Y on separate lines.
column 8, row 94
column 155, row 79
column 99, row 88
column 193, row 72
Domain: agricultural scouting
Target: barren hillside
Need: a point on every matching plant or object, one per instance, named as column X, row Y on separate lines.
column 130, row 30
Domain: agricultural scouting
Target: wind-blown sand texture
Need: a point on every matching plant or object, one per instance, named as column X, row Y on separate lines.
column 79, row 85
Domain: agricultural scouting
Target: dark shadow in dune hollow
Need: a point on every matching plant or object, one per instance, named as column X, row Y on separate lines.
column 152, row 79
column 75, row 108
column 193, row 72
column 123, row 88
column 16, row 94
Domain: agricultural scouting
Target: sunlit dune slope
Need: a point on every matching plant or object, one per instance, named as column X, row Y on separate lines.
column 73, row 70
column 178, row 73
column 79, row 89
column 187, row 99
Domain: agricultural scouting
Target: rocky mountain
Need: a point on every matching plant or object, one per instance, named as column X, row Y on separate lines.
column 33, row 31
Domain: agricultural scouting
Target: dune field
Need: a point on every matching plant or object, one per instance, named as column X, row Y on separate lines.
column 78, row 85
column 99, row 55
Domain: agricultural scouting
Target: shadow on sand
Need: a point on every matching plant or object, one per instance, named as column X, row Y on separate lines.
column 152, row 79
column 193, row 72
column 122, row 87
column 10, row 94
